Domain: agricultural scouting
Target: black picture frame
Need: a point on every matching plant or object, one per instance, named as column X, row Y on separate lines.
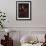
column 23, row 10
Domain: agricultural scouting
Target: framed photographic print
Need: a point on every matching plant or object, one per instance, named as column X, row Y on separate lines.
column 23, row 10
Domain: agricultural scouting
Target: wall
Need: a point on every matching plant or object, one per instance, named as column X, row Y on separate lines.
column 38, row 14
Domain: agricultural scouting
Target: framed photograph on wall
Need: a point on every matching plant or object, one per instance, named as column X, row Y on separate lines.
column 23, row 10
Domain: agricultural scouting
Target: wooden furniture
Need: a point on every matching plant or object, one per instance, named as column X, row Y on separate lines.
column 44, row 44
column 8, row 41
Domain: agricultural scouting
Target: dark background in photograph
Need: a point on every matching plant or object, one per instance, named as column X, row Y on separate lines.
column 23, row 10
